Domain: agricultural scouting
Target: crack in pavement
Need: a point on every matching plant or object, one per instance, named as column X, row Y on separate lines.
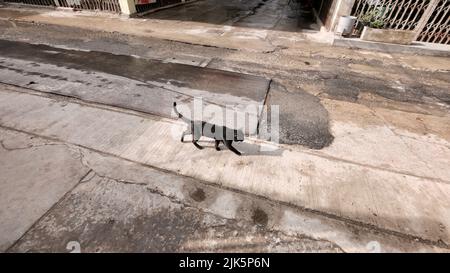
column 200, row 45
column 178, row 201
column 5, row 147
column 389, row 127
column 47, row 212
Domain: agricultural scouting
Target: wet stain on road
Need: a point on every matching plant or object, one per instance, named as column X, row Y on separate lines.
column 247, row 87
column 259, row 14
column 146, row 223
column 41, row 75
column 260, row 217
column 198, row 195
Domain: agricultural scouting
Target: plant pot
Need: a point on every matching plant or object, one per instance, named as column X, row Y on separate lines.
column 393, row 36
column 346, row 25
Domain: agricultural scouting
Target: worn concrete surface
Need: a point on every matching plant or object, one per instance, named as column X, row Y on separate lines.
column 121, row 206
column 34, row 175
column 420, row 48
column 412, row 202
column 380, row 121
column 105, row 213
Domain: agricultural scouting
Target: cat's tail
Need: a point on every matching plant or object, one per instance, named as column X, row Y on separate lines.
column 179, row 114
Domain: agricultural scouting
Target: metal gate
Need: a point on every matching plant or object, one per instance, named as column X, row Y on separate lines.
column 437, row 27
column 102, row 5
column 429, row 18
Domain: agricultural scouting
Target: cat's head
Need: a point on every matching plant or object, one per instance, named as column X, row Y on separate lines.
column 238, row 136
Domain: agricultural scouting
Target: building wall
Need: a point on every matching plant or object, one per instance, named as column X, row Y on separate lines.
column 331, row 10
column 325, row 10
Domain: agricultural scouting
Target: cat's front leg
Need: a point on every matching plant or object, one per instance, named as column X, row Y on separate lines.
column 217, row 145
column 229, row 143
column 185, row 133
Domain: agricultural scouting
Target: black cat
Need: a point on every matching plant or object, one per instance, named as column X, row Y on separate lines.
column 219, row 133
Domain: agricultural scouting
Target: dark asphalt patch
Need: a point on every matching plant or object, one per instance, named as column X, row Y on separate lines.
column 302, row 118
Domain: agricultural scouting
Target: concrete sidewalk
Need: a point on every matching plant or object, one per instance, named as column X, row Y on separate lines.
column 380, row 190
column 419, row 48
column 103, row 203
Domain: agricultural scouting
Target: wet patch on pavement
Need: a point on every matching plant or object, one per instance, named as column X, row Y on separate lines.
column 117, row 80
column 256, row 14
column 221, row 87
column 90, row 87
column 260, row 217
column 198, row 195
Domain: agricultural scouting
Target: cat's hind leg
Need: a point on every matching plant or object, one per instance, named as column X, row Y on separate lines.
column 196, row 144
column 196, row 135
column 229, row 143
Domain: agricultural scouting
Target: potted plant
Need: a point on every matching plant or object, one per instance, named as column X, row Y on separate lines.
column 375, row 29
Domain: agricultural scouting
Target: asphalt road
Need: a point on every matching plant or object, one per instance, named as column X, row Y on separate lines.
column 151, row 86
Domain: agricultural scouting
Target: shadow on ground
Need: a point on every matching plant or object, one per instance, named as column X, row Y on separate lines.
column 284, row 15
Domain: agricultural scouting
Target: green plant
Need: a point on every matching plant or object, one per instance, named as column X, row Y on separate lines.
column 373, row 19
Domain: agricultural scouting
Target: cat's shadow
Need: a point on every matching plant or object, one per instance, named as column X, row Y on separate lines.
column 247, row 149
